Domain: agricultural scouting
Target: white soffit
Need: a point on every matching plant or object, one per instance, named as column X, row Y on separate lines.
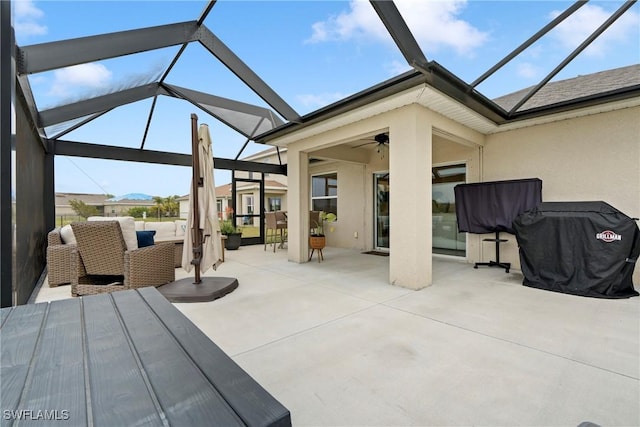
column 448, row 107
column 422, row 95
column 407, row 97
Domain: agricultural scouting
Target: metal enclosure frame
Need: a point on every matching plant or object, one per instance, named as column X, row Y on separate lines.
column 18, row 62
column 7, row 73
column 260, row 214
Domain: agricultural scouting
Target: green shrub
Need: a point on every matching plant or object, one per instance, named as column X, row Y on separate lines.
column 227, row 227
column 138, row 211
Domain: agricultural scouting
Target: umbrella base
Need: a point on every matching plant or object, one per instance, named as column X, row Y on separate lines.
column 209, row 289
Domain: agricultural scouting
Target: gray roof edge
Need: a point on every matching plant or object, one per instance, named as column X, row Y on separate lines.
column 374, row 93
column 444, row 81
column 435, row 76
column 582, row 102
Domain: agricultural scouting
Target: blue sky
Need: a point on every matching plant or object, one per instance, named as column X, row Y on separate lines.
column 311, row 53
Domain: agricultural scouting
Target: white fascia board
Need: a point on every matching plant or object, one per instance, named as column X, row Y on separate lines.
column 407, row 97
column 434, row 100
column 587, row 111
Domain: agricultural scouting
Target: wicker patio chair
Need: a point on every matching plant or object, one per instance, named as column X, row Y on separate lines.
column 58, row 259
column 275, row 224
column 101, row 263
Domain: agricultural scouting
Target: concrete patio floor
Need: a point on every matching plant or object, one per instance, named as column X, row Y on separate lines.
column 339, row 346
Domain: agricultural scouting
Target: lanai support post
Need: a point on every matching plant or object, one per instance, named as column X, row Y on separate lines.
column 298, row 205
column 410, row 159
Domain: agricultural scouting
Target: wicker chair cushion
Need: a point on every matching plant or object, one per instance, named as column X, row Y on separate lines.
column 181, row 227
column 128, row 226
column 66, row 233
column 164, row 230
column 145, row 238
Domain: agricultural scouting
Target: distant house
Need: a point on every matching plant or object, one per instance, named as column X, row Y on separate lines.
column 114, row 206
column 119, row 206
column 248, row 193
column 247, row 197
column 63, row 205
column 275, row 199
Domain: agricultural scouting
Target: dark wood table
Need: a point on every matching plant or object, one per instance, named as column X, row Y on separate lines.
column 122, row 359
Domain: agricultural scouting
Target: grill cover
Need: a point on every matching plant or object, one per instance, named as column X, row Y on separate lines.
column 488, row 207
column 580, row 248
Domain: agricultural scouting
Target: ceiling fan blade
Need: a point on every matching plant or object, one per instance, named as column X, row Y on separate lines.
column 366, row 143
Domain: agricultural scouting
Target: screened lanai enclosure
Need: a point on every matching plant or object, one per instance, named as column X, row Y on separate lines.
column 33, row 136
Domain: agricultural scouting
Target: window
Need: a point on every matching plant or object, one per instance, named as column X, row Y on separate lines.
column 219, row 206
column 275, row 204
column 324, row 193
column 248, row 201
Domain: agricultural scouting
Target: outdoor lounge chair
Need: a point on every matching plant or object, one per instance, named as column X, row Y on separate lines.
column 101, row 263
column 58, row 259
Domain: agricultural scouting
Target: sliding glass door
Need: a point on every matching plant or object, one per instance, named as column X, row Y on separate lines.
column 381, row 220
column 446, row 239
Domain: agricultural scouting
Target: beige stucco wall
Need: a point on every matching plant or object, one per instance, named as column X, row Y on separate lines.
column 278, row 194
column 596, row 157
column 353, row 220
column 271, row 158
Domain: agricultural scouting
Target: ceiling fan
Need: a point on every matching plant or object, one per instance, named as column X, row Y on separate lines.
column 381, row 139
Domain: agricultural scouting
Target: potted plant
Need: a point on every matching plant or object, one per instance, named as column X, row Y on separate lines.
column 318, row 240
column 233, row 233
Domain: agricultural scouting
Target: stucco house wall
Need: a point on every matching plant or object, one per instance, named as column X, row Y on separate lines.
column 411, row 128
column 596, row 157
column 269, row 156
column 349, row 228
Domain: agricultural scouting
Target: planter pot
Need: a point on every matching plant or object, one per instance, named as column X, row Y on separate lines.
column 317, row 242
column 233, row 241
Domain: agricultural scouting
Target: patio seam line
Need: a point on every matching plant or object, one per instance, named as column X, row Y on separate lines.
column 516, row 343
column 304, row 331
column 359, row 297
column 306, row 281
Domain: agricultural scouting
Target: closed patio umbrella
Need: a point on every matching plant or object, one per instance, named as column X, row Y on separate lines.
column 202, row 200
column 202, row 247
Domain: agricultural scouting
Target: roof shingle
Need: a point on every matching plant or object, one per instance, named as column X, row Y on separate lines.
column 574, row 88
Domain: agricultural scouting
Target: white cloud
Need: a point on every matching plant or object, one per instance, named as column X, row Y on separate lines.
column 360, row 20
column 397, row 67
column 434, row 24
column 319, row 100
column 26, row 17
column 70, row 80
column 26, row 9
column 528, row 70
column 575, row 29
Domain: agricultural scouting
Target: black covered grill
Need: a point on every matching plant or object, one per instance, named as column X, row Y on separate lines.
column 580, row 248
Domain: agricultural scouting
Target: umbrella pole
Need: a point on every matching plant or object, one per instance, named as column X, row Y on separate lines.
column 208, row 288
column 196, row 184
